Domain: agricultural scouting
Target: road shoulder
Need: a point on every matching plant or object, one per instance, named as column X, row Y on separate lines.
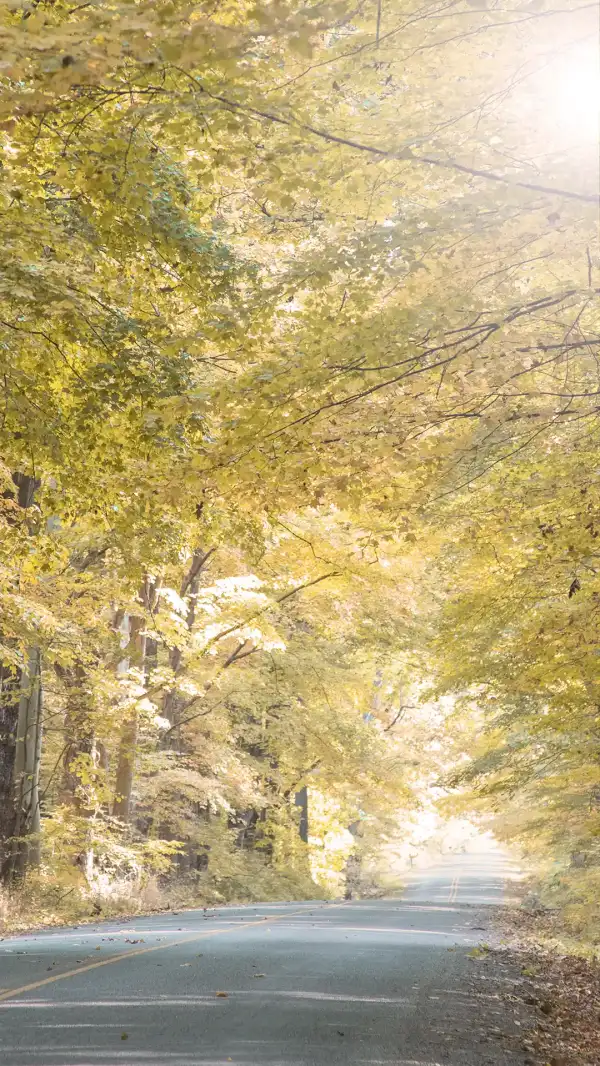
column 553, row 991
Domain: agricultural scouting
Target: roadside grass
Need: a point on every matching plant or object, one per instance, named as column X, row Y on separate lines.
column 41, row 902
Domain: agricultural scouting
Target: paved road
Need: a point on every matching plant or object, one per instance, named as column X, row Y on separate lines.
column 310, row 984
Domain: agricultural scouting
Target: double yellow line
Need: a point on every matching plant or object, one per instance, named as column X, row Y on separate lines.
column 454, row 890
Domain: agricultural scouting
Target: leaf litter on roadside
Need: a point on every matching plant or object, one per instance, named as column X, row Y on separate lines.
column 563, row 990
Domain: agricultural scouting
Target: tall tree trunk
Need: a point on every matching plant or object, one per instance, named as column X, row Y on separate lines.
column 10, row 680
column 129, row 730
column 301, row 801
column 13, row 684
column 172, row 702
column 137, row 657
column 81, row 760
column 25, row 846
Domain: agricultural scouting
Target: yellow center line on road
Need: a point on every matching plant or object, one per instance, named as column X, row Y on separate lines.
column 454, row 889
column 11, row 993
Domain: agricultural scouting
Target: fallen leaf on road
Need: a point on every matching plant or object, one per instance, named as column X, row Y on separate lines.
column 222, row 995
column 259, row 975
column 124, row 1036
column 477, row 953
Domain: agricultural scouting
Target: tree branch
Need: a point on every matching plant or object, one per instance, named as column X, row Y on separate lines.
column 402, row 153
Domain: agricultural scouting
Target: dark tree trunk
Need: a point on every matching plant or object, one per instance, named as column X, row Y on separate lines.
column 10, row 680
column 13, row 819
column 301, row 801
column 26, row 489
column 25, row 844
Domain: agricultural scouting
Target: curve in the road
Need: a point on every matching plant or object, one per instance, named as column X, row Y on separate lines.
column 367, row 983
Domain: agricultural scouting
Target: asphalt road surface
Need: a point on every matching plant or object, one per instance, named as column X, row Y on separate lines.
column 385, row 983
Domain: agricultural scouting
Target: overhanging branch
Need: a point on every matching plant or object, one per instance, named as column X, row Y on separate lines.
column 390, row 154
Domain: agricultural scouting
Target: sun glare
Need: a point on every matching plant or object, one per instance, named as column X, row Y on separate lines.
column 571, row 87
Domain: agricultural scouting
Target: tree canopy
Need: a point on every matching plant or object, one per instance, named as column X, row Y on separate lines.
column 299, row 369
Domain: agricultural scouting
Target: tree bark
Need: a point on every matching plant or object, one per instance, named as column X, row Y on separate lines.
column 173, row 703
column 129, row 731
column 12, row 682
column 301, row 801
column 25, row 845
column 81, row 747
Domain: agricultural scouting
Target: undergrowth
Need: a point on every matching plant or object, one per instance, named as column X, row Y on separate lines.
column 45, row 901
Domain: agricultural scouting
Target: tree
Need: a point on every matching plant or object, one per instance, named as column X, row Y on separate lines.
column 290, row 306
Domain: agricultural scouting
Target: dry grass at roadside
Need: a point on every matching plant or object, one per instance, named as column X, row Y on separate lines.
column 39, row 903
